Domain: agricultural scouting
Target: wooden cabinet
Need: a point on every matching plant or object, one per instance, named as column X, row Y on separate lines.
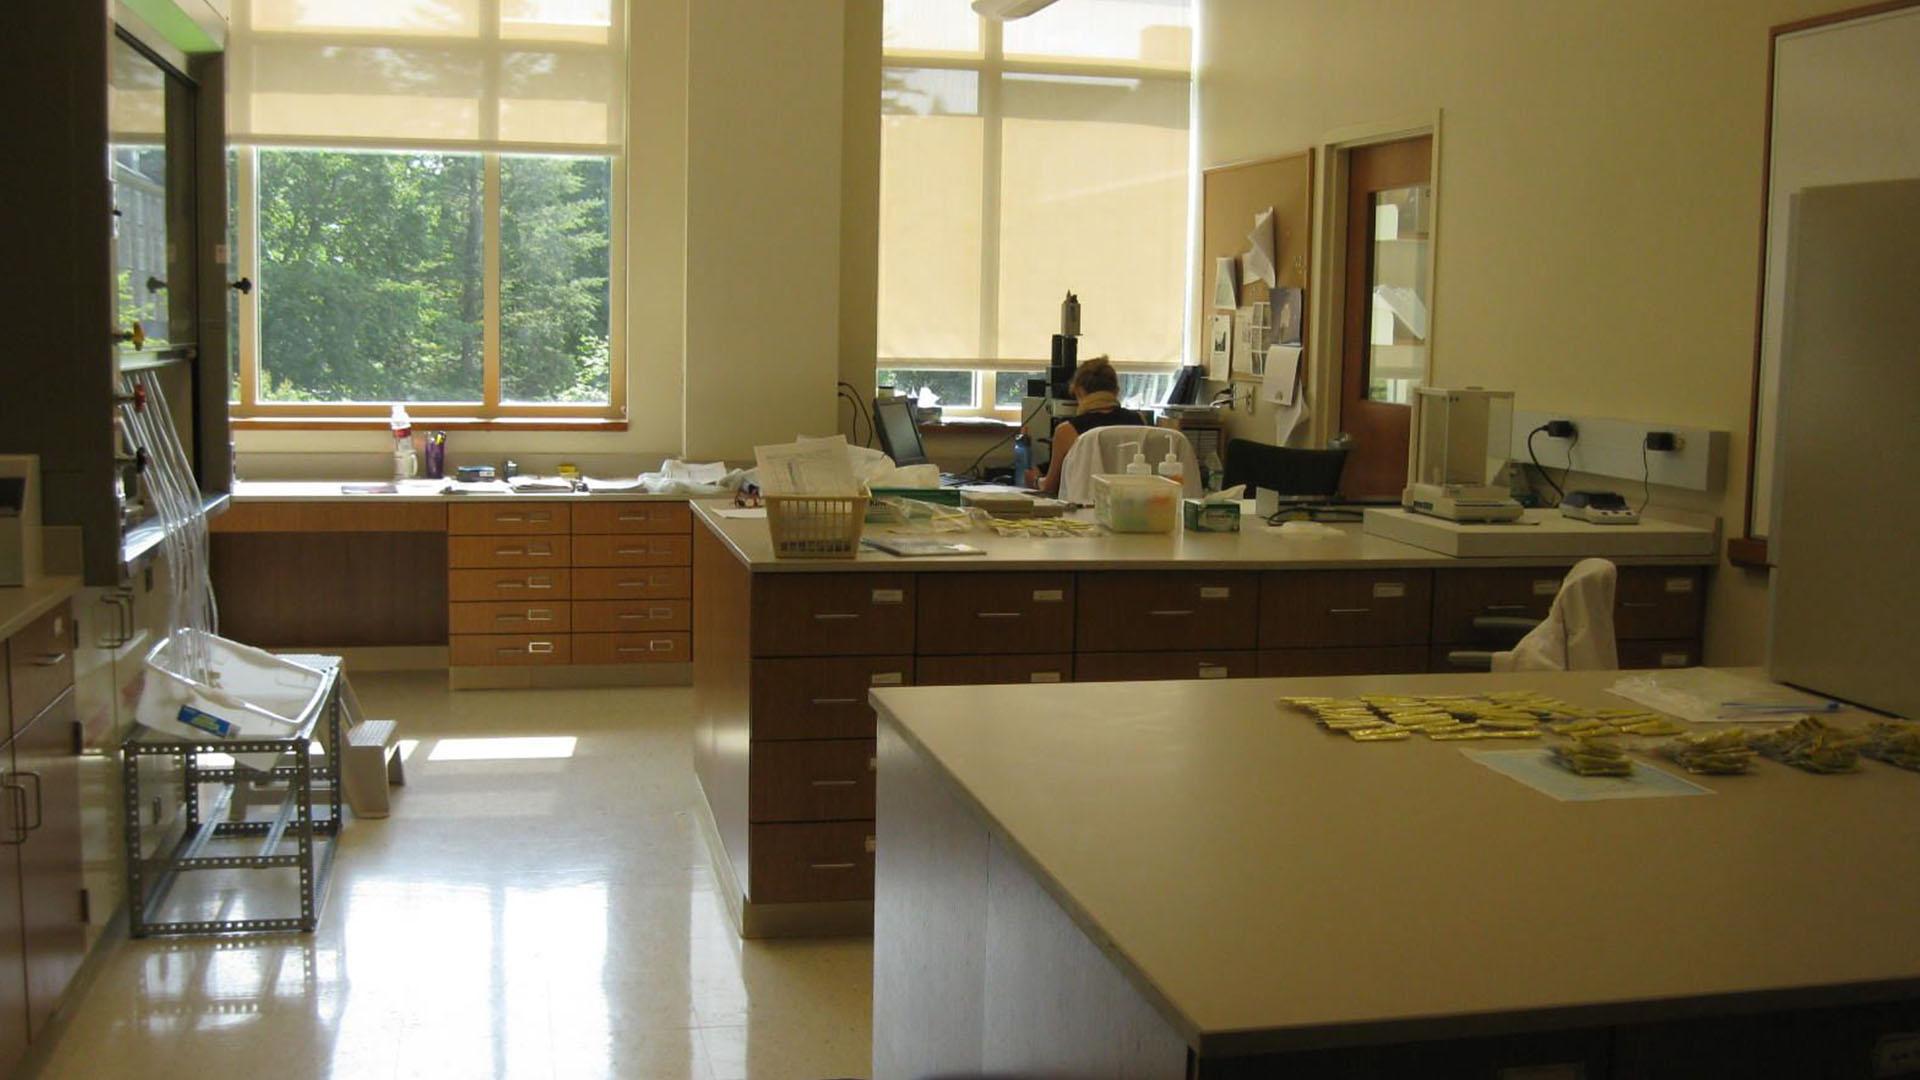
column 1659, row 602
column 543, row 586
column 632, row 648
column 602, row 584
column 511, row 650
column 849, row 614
column 503, row 519
column 14, row 1028
column 639, row 550
column 1659, row 654
column 631, row 616
column 46, row 756
column 821, row 699
column 632, row 517
column 1331, row 608
column 1388, row 660
column 39, row 664
column 814, row 862
column 811, row 780
column 994, row 613
column 1125, row 611
column 978, row 670
column 543, row 552
column 510, row 617
column 1125, row 667
column 1659, row 612
column 1462, row 596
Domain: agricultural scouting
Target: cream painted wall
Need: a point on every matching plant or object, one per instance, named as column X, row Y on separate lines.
column 1599, row 193
column 860, row 204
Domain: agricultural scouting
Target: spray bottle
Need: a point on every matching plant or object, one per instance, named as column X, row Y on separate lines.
column 406, row 464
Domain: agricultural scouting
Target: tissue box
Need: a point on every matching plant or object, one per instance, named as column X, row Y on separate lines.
column 1217, row 517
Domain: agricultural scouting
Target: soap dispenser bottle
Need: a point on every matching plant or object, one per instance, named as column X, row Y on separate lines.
column 1170, row 466
column 1138, row 466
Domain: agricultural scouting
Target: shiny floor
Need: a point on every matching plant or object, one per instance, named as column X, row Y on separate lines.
column 540, row 904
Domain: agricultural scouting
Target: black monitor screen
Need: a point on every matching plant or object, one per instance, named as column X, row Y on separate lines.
column 899, row 431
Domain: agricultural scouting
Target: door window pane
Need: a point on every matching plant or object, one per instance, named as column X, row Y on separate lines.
column 1397, row 326
column 555, row 239
column 370, row 276
column 953, row 389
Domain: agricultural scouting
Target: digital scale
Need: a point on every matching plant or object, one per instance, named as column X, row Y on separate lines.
column 1458, row 452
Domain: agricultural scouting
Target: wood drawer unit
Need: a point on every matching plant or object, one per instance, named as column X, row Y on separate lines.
column 633, row 584
column 855, row 614
column 638, row 648
column 538, row 586
column 631, row 616
column 510, row 650
column 1461, row 596
column 1659, row 602
column 506, row 552
column 820, row 699
column 811, row 780
column 509, row 617
column 1380, row 660
column 39, row 664
column 801, row 863
column 963, row 613
column 508, row 518
column 1659, row 654
column 1320, row 608
column 1132, row 666
column 981, row 670
column 632, row 517
column 634, row 550
column 1122, row 611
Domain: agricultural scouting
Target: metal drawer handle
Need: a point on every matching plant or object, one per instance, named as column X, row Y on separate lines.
column 999, row 614
column 647, row 615
column 636, row 551
column 539, row 646
column 19, row 796
column 28, row 774
column 835, row 701
column 50, row 659
column 830, row 866
column 829, row 616
column 634, row 517
column 1172, row 612
column 835, row 783
column 539, row 583
column 1348, row 611
column 1638, row 603
column 509, row 517
column 652, row 646
column 510, row 551
column 539, row 615
column 1505, row 607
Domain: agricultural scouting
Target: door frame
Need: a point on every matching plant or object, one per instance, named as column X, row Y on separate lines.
column 1325, row 305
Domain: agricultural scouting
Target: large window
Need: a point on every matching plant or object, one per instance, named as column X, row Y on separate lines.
column 1022, row 160
column 427, row 195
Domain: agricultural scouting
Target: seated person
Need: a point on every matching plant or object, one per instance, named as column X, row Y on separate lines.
column 1096, row 394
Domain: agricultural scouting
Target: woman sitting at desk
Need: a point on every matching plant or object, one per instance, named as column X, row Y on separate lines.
column 1096, row 395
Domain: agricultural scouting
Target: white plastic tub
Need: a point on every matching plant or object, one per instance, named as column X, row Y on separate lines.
column 250, row 694
column 1128, row 503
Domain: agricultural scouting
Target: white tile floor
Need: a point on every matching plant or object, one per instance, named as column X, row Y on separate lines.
column 539, row 905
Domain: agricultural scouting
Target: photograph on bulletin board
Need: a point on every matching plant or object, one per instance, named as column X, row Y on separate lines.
column 1226, row 283
column 1220, row 346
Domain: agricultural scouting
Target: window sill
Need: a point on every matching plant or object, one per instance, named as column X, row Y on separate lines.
column 982, row 426
column 429, row 423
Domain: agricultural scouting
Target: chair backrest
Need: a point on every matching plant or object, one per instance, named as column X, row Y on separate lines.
column 1107, row 450
column 1287, row 471
column 1577, row 634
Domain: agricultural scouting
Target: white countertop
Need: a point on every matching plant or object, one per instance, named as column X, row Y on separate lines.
column 1255, row 547
column 330, row 491
column 1270, row 886
column 20, row 605
column 1547, row 534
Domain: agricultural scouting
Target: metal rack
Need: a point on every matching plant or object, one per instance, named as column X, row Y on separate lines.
column 150, row 880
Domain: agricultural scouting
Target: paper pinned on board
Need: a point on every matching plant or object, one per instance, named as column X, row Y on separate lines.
column 1282, row 383
column 1263, row 252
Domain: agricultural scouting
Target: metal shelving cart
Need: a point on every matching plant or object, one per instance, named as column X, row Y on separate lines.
column 313, row 839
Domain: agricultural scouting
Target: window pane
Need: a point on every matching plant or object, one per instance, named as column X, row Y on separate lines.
column 1010, row 387
column 234, row 272
column 1141, row 389
column 942, row 25
column 370, row 276
column 1094, row 200
column 1148, row 31
column 931, row 169
column 555, row 232
column 953, row 389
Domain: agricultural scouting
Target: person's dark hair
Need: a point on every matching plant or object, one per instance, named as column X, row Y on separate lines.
column 1095, row 375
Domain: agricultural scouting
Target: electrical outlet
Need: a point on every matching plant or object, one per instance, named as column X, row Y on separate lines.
column 1561, row 429
column 1665, row 441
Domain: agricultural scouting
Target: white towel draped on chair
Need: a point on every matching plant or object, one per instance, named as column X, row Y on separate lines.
column 1578, row 632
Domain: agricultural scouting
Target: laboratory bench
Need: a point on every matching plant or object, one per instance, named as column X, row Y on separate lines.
column 785, row 652
column 1231, row 891
column 528, row 589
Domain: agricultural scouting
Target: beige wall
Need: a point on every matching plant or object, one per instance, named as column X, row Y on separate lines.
column 1599, row 193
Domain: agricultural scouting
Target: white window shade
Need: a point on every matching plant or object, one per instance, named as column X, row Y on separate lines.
column 457, row 74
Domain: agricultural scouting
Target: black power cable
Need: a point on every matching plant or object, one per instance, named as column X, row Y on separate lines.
column 1544, row 474
column 974, row 469
column 847, row 390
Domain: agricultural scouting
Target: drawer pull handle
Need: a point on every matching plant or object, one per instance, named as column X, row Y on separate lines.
column 635, row 551
column 835, row 701
column 50, row 659
column 539, row 615
column 835, row 783
column 647, row 615
column 539, row 646
column 1506, row 607
column 830, row 616
column 504, row 518
column 510, row 551
column 1348, row 611
column 539, row 583
column 1172, row 613
column 1637, row 603
column 1212, row 671
column 999, row 614
column 652, row 646
column 830, row 866
column 634, row 517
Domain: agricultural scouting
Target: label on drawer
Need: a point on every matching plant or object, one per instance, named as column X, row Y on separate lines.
column 1676, row 659
column 1546, row 586
column 889, row 596
column 1213, row 671
column 869, row 845
column 1049, row 596
column 1215, row 592
column 1044, row 676
column 886, row 678
column 1679, row 584
column 1389, row 590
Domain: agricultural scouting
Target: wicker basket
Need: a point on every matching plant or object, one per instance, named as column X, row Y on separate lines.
column 816, row 526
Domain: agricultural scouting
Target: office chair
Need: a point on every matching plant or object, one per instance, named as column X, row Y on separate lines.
column 1099, row 451
column 1287, row 471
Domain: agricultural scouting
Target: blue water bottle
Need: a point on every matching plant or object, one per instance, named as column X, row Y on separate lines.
column 1022, row 457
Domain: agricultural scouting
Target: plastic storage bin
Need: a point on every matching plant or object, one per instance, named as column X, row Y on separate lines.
column 816, row 526
column 1137, row 504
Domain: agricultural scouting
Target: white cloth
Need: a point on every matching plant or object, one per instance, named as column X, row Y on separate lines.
column 1099, row 451
column 1578, row 632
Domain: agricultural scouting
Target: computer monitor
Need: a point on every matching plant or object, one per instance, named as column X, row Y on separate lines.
column 898, row 426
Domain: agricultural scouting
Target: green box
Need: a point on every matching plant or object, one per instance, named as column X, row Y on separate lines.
column 1206, row 517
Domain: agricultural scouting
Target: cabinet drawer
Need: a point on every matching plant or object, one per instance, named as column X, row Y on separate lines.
column 539, row 586
column 1461, row 596
column 1127, row 667
column 632, row 517
column 39, row 664
column 1659, row 602
column 510, row 650
column 810, row 780
column 1659, row 654
column 635, row 584
column 832, row 614
column 994, row 613
column 507, row 617
column 638, row 648
column 517, row 519
column 636, row 550
column 631, row 616
column 470, row 552
column 1384, row 660
column 821, row 699
column 818, row 862
column 1311, row 608
column 1154, row 611
column 981, row 670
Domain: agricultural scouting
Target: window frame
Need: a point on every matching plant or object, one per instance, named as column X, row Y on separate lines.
column 490, row 410
column 991, row 64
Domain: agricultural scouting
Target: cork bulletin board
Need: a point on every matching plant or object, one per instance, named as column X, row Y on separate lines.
column 1231, row 195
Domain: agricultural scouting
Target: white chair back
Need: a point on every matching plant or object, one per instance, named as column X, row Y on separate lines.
column 1577, row 634
column 1109, row 449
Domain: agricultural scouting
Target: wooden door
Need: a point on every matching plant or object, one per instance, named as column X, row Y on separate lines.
column 1385, row 324
column 13, row 958
column 46, row 764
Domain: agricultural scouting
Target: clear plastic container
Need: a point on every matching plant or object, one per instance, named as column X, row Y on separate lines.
column 1137, row 504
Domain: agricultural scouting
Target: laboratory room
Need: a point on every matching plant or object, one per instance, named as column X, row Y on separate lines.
column 811, row 539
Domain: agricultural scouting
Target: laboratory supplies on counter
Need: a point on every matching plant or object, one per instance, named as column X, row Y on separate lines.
column 1136, row 504
column 1215, row 513
column 1715, row 753
column 1813, row 745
